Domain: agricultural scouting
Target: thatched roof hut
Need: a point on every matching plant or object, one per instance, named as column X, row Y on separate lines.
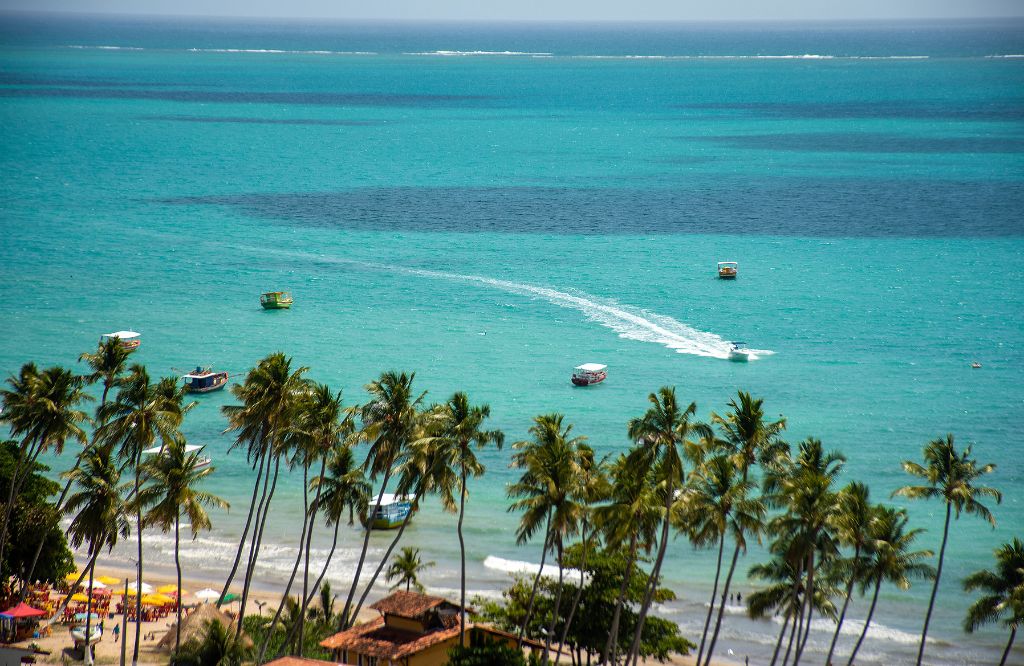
column 194, row 626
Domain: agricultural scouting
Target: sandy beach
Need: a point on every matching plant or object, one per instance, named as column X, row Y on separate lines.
column 108, row 650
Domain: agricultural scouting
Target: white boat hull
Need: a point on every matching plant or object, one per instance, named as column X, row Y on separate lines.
column 739, row 355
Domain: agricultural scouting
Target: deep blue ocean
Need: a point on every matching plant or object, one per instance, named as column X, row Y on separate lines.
column 491, row 205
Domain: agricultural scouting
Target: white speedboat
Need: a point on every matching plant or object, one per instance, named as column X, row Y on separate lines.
column 738, row 353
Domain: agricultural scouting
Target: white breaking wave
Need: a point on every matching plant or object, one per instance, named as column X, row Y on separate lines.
column 477, row 53
column 222, row 50
column 1007, row 55
column 628, row 321
column 519, row 566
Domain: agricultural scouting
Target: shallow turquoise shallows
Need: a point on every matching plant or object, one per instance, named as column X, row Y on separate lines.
column 489, row 206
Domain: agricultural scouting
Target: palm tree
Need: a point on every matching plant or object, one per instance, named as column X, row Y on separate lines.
column 320, row 424
column 107, row 365
column 630, row 517
column 662, row 431
column 390, row 423
column 949, row 475
column 41, row 408
column 803, row 488
column 1004, row 589
column 890, row 559
column 142, row 414
column 406, row 568
column 218, row 647
column 717, row 504
column 547, row 494
column 171, row 490
column 852, row 524
column 98, row 510
column 460, row 431
column 268, row 396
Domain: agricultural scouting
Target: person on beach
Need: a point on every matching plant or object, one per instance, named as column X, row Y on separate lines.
column 117, row 632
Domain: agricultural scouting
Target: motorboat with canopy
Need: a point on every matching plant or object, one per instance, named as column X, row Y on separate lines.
column 589, row 373
column 130, row 340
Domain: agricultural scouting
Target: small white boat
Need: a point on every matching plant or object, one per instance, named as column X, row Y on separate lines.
column 391, row 511
column 739, row 354
column 129, row 339
column 727, row 270
column 78, row 634
column 589, row 373
column 205, row 380
column 203, row 461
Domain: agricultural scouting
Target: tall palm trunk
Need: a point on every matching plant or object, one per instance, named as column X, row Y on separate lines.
column 558, row 602
column 138, row 577
column 25, row 460
column 721, row 608
column 295, row 569
column 67, row 598
column 536, row 581
column 124, row 625
column 935, row 588
column 462, row 561
column 177, row 567
column 251, row 569
column 714, row 595
column 652, row 584
column 245, row 530
column 576, row 598
column 794, row 630
column 809, row 603
column 846, row 604
column 346, row 617
column 778, row 643
column 64, row 493
column 867, row 622
column 383, row 563
column 611, row 645
column 88, row 619
column 309, row 541
column 1009, row 645
column 314, row 589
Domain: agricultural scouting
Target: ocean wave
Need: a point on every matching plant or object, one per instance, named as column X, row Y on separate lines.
column 478, row 53
column 1006, row 55
column 106, row 48
column 628, row 321
column 520, row 566
column 222, row 50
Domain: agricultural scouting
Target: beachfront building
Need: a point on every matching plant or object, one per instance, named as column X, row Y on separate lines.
column 413, row 630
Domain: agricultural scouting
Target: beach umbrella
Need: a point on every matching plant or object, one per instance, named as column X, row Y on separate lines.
column 228, row 598
column 169, row 589
column 110, row 580
column 206, row 594
column 23, row 610
column 96, row 585
column 146, row 588
column 157, row 599
column 78, row 596
column 71, row 577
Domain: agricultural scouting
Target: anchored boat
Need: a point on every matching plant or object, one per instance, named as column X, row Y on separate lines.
column 205, row 380
column 589, row 373
column 276, row 300
column 201, row 462
column 391, row 511
column 128, row 339
column 727, row 270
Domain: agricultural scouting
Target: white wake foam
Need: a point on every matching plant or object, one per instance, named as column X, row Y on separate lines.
column 519, row 566
column 628, row 321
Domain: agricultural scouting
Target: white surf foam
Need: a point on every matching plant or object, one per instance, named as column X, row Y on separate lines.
column 519, row 566
column 477, row 53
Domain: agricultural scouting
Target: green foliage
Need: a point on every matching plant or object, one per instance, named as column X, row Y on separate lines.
column 218, row 647
column 605, row 569
column 405, row 569
column 484, row 652
column 257, row 626
column 33, row 511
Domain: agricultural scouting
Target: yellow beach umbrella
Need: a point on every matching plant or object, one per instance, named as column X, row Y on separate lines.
column 110, row 580
column 71, row 577
column 157, row 600
column 169, row 589
column 78, row 596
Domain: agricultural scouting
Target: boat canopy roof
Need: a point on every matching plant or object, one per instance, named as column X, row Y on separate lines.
column 728, row 263
column 591, row 367
column 391, row 498
column 200, row 373
column 189, row 448
column 276, row 293
column 122, row 335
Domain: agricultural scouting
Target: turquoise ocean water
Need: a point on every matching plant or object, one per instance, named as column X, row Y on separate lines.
column 489, row 206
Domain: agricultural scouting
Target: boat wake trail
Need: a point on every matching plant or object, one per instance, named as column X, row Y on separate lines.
column 628, row 321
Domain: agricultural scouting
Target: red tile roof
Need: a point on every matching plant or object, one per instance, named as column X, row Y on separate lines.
column 375, row 639
column 407, row 604
column 299, row 661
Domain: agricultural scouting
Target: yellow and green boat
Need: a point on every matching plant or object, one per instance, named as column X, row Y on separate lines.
column 276, row 300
